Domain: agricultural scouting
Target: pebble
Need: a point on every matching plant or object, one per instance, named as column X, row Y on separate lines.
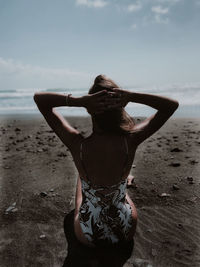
column 176, row 149
column 175, row 164
column 176, row 187
column 164, row 195
column 43, row 194
column 11, row 208
column 17, row 129
column 133, row 166
column 193, row 161
column 40, row 143
column 61, row 154
column 179, row 225
column 6, row 167
column 190, row 178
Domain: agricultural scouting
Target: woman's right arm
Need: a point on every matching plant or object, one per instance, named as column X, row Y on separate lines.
column 165, row 108
column 161, row 103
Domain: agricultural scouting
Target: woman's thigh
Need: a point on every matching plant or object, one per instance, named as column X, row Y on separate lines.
column 134, row 217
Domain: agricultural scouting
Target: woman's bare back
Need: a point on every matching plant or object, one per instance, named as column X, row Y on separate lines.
column 104, row 157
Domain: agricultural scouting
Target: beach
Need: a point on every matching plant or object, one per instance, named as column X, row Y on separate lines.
column 37, row 187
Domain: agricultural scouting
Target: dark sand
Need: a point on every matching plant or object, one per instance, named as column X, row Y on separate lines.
column 33, row 160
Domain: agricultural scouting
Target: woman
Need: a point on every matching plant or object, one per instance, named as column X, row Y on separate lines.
column 104, row 213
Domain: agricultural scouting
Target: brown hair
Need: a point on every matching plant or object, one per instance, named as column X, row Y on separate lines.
column 115, row 120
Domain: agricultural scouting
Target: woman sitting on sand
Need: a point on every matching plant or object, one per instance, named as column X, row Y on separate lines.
column 104, row 213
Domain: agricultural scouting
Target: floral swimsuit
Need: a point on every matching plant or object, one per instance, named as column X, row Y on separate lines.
column 105, row 215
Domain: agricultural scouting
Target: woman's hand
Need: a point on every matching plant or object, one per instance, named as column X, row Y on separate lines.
column 123, row 95
column 102, row 101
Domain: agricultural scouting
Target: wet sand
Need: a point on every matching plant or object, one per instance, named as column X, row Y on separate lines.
column 37, row 189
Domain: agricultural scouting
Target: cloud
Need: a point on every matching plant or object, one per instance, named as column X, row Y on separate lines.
column 134, row 7
column 159, row 19
column 160, row 10
column 160, row 13
column 198, row 3
column 133, row 26
column 16, row 74
column 169, row 1
column 92, row 3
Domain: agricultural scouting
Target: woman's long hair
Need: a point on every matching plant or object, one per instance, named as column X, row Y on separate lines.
column 115, row 120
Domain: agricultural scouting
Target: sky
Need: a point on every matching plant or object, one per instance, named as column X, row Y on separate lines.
column 66, row 43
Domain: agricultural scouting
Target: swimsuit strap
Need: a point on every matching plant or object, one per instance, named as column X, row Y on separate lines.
column 126, row 161
column 81, row 157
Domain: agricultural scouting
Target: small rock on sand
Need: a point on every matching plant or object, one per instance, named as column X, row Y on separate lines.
column 193, row 161
column 176, row 149
column 17, row 129
column 43, row 194
column 61, row 154
column 11, row 208
column 175, row 187
column 6, row 167
column 164, row 195
column 175, row 164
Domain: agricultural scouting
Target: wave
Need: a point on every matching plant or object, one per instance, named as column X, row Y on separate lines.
column 18, row 93
column 188, row 95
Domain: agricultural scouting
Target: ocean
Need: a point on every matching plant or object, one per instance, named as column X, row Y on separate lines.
column 20, row 101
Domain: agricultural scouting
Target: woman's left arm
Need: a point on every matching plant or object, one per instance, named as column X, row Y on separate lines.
column 46, row 103
column 95, row 103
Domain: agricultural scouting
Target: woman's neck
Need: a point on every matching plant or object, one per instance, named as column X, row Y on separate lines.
column 96, row 129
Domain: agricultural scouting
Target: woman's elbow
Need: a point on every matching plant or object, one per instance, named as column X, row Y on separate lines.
column 37, row 97
column 176, row 104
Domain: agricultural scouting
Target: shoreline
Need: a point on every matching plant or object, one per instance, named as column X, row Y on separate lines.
column 37, row 183
column 21, row 116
